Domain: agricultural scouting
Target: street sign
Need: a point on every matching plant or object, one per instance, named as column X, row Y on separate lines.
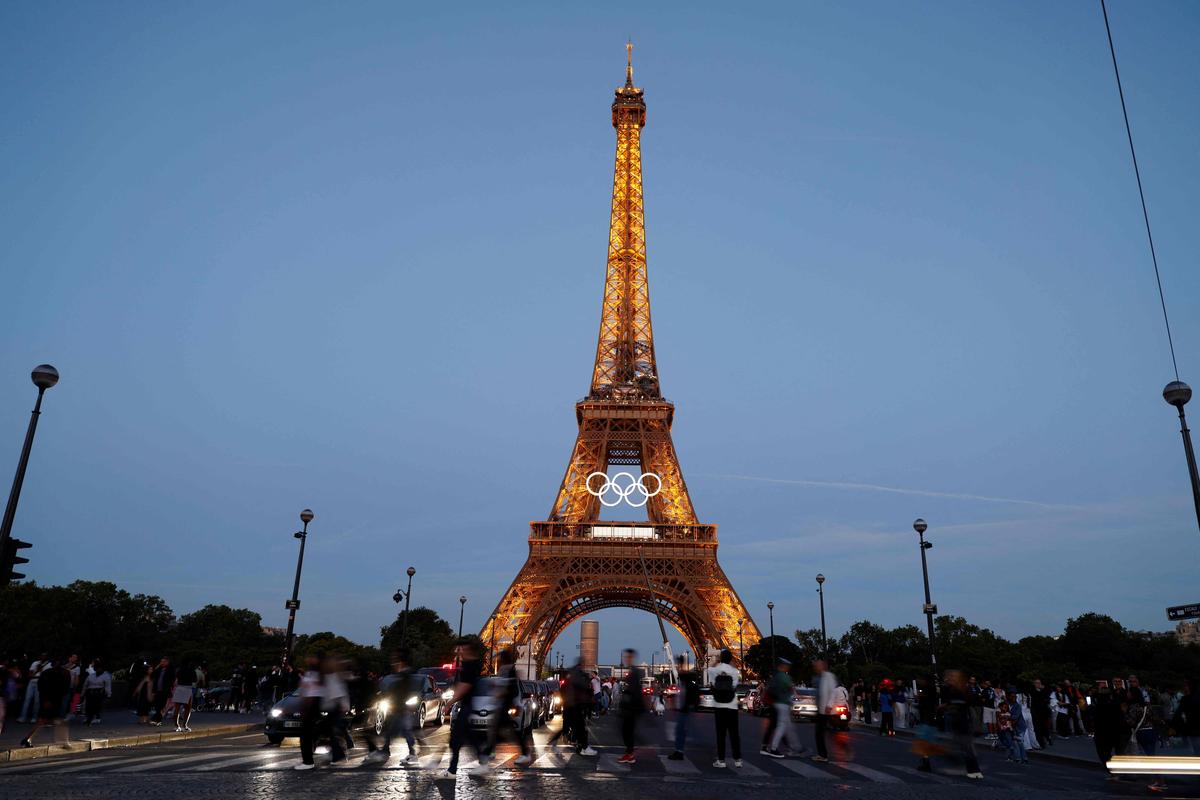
column 292, row 605
column 1191, row 611
column 929, row 608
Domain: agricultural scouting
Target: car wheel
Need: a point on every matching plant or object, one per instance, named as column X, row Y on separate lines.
column 441, row 716
column 275, row 738
column 421, row 717
column 380, row 719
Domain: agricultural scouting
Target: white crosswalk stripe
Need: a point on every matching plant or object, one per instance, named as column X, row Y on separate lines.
column 929, row 776
column 554, row 761
column 608, row 763
column 867, row 772
column 747, row 769
column 805, row 770
column 683, row 767
column 86, row 766
column 53, row 762
column 262, row 757
column 161, row 762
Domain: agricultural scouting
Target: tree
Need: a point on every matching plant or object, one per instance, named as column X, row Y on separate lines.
column 222, row 637
column 760, row 663
column 430, row 638
column 329, row 643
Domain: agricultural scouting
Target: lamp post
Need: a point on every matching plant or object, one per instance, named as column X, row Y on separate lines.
column 462, row 605
column 920, row 526
column 821, row 595
column 406, row 596
column 306, row 516
column 771, row 611
column 1177, row 393
column 741, row 648
column 43, row 376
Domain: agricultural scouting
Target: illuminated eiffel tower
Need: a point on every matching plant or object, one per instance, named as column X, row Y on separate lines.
column 578, row 564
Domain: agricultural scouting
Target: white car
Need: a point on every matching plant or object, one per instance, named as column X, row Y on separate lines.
column 804, row 705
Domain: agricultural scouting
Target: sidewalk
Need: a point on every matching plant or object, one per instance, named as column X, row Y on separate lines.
column 118, row 729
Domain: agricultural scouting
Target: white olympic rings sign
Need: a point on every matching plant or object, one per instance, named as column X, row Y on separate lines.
column 624, row 487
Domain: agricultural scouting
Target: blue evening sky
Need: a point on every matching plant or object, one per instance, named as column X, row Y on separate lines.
column 351, row 256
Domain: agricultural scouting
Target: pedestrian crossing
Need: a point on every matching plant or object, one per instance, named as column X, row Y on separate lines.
column 651, row 763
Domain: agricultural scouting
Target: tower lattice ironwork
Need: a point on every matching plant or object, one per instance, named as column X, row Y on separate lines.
column 578, row 564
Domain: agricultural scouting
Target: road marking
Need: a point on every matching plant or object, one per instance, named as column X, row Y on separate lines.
column 54, row 762
column 553, row 760
column 683, row 767
column 244, row 736
column 168, row 762
column 747, row 769
column 263, row 757
column 868, row 773
column 805, row 770
column 84, row 767
column 608, row 763
column 930, row 776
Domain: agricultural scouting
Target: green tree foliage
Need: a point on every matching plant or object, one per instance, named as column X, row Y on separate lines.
column 430, row 638
column 223, row 637
column 329, row 643
column 760, row 664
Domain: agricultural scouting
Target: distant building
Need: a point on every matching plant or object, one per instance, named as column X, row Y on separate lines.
column 589, row 643
column 272, row 631
column 1188, row 632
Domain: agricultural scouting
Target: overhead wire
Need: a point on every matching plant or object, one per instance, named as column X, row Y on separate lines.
column 1138, row 174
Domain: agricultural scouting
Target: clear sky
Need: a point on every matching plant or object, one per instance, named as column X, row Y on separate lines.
column 351, row 257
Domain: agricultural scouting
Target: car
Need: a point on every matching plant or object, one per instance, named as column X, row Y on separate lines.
column 443, row 678
column 285, row 719
column 485, row 707
column 750, row 700
column 839, row 720
column 533, row 694
column 804, row 705
column 553, row 699
column 426, row 702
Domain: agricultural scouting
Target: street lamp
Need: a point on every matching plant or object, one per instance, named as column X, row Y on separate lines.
column 492, row 647
column 920, row 527
column 462, row 604
column 1177, row 393
column 821, row 595
column 293, row 605
column 771, row 611
column 741, row 648
column 43, row 376
column 406, row 596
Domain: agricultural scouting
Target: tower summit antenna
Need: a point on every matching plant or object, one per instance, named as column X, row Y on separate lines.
column 629, row 63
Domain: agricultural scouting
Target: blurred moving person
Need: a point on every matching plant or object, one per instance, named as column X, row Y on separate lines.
column 959, row 721
column 53, row 684
column 396, row 688
column 182, row 696
column 335, row 702
column 686, row 701
column 511, row 698
column 780, row 692
column 311, row 690
column 631, row 706
column 468, row 686
column 97, row 687
column 577, row 703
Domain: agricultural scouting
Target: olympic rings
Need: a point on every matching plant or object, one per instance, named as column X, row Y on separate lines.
column 623, row 489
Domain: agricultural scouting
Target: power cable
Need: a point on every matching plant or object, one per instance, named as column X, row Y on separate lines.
column 1138, row 174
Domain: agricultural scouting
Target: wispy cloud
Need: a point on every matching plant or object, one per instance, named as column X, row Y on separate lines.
column 872, row 487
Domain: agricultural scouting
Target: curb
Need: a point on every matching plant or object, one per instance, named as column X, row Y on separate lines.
column 1040, row 755
column 88, row 745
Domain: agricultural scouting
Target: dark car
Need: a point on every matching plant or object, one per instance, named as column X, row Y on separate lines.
column 426, row 702
column 284, row 718
column 538, row 699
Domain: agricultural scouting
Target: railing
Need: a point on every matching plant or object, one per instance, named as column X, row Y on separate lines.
column 622, row 531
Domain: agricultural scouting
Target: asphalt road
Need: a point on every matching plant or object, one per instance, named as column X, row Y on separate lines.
column 243, row 765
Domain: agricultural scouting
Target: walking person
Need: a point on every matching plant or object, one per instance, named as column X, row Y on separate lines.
column 960, row 719
column 1186, row 719
column 1017, row 726
column 182, row 695
column 74, row 696
column 97, row 687
column 142, row 697
column 53, row 683
column 396, row 688
column 725, row 679
column 312, row 690
column 1039, row 702
column 162, row 680
column 900, row 705
column 335, row 702
column 631, row 706
column 780, row 691
column 577, row 700
column 686, row 701
column 32, row 706
column 826, row 685
column 467, row 688
column 887, row 726
column 512, row 697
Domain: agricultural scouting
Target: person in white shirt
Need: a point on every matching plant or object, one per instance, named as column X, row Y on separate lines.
column 312, row 690
column 32, row 704
column 827, row 684
column 725, row 679
column 97, row 687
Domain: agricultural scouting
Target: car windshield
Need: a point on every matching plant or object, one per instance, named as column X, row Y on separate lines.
column 806, row 694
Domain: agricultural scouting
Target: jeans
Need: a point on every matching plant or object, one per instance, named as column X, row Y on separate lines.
column 681, row 726
column 1016, row 747
column 783, row 725
column 727, row 723
column 29, row 709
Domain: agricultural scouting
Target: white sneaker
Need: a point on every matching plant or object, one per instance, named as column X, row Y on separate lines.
column 975, row 775
column 482, row 769
column 737, row 762
column 588, row 751
column 446, row 775
column 178, row 729
column 186, row 729
column 378, row 757
column 521, row 761
column 411, row 758
column 719, row 763
column 304, row 766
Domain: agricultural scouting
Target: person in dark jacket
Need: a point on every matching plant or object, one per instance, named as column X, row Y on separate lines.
column 631, row 706
column 53, row 684
column 1186, row 722
column 1112, row 732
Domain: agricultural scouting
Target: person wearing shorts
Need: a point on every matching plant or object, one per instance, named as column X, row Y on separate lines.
column 182, row 696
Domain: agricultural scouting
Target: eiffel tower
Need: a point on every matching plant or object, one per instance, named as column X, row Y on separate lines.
column 578, row 564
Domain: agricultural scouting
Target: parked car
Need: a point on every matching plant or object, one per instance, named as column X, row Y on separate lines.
column 533, row 694
column 706, row 699
column 804, row 705
column 751, row 701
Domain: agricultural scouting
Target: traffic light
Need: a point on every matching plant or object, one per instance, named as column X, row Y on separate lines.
column 9, row 558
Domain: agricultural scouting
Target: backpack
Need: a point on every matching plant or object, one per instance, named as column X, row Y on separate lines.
column 723, row 688
column 691, row 691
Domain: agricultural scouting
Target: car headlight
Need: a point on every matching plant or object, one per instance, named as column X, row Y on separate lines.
column 448, row 694
column 411, row 702
column 276, row 713
column 512, row 712
column 383, row 706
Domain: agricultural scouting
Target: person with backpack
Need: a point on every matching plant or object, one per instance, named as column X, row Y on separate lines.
column 686, row 701
column 725, row 679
